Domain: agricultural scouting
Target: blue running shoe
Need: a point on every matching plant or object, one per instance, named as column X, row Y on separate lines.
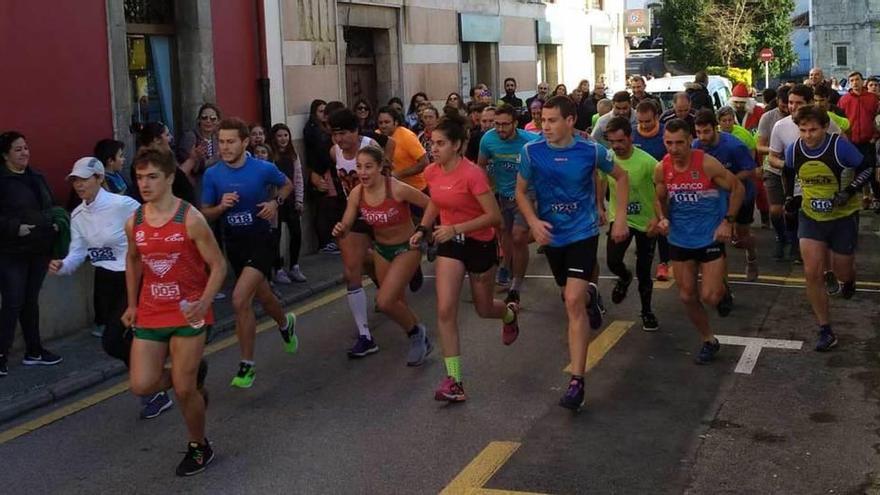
column 594, row 310
column 707, row 352
column 156, row 405
column 363, row 347
column 503, row 277
column 574, row 396
column 826, row 341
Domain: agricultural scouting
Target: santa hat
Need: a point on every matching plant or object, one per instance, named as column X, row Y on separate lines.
column 740, row 93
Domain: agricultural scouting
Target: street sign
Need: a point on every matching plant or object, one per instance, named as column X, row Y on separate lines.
column 766, row 54
column 637, row 23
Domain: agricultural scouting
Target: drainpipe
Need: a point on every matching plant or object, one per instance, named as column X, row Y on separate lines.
column 263, row 80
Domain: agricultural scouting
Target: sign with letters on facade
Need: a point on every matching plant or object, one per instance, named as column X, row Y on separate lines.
column 480, row 28
column 637, row 22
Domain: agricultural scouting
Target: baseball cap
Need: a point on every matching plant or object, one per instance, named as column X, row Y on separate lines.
column 86, row 167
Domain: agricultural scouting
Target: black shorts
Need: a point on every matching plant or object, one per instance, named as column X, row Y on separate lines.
column 477, row 256
column 701, row 255
column 257, row 251
column 575, row 260
column 840, row 235
column 746, row 213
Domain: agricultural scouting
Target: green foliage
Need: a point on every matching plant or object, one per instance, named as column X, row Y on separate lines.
column 690, row 40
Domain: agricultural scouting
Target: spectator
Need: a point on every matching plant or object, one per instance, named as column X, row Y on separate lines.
column 111, row 155
column 317, row 141
column 599, row 92
column 698, row 93
column 769, row 98
column 748, row 113
column 822, row 99
column 860, row 108
column 638, row 91
column 602, row 107
column 397, row 104
column 290, row 212
column 475, row 111
column 430, row 117
column 98, row 234
column 873, row 85
column 198, row 149
column 510, row 94
column 257, row 137
column 364, row 112
column 487, row 122
column 409, row 158
column 681, row 109
column 27, row 235
column 815, row 78
column 560, row 90
column 156, row 135
column 454, row 100
column 535, row 109
column 542, row 94
column 412, row 115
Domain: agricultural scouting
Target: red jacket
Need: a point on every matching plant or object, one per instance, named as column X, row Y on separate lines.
column 860, row 110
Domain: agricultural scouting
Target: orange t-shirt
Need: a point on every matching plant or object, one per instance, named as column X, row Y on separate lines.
column 407, row 152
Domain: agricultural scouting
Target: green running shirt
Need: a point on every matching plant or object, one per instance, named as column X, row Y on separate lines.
column 640, row 210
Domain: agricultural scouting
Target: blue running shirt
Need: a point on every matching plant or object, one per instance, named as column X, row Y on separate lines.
column 696, row 205
column 251, row 181
column 564, row 186
column 504, row 158
column 653, row 145
column 734, row 155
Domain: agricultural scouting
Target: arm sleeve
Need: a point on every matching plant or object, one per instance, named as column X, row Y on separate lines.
column 298, row 186
column 848, row 154
column 776, row 144
column 77, row 252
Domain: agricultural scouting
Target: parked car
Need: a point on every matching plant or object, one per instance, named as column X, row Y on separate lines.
column 666, row 87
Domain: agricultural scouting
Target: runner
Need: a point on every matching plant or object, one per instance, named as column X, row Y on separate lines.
column 355, row 245
column 500, row 150
column 772, row 176
column 169, row 247
column 561, row 167
column 735, row 157
column 461, row 197
column 97, row 233
column 698, row 201
column 236, row 190
column 649, row 137
column 831, row 171
column 383, row 203
column 641, row 218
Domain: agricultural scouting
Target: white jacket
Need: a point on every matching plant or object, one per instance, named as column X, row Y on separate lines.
column 97, row 232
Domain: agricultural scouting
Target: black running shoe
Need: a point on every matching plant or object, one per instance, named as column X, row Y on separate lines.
column 574, row 396
column 707, row 352
column 45, row 358
column 196, row 459
column 848, row 289
column 832, row 285
column 725, row 305
column 649, row 322
column 826, row 341
column 512, row 297
column 417, row 280
column 618, row 294
column 593, row 310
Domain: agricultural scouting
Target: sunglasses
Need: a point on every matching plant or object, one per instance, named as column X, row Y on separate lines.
column 212, row 118
column 362, row 109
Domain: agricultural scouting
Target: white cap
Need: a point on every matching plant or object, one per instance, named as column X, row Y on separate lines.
column 86, row 167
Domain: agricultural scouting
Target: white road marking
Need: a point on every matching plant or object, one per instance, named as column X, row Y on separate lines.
column 753, row 346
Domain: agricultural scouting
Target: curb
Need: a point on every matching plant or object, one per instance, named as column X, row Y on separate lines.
column 102, row 372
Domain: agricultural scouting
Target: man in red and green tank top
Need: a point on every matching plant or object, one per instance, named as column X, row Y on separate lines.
column 174, row 268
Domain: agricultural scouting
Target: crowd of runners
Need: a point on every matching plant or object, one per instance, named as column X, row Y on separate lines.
column 470, row 187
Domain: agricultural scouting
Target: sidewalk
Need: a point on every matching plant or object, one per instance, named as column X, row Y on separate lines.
column 85, row 363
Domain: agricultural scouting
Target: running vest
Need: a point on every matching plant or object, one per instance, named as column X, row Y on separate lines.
column 696, row 204
column 173, row 270
column 389, row 213
column 347, row 168
column 820, row 177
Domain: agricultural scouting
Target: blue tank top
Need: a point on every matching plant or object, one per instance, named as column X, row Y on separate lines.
column 696, row 205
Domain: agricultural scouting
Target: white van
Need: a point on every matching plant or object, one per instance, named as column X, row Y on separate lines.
column 666, row 87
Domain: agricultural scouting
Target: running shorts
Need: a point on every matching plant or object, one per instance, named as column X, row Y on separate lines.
column 575, row 260
column 477, row 256
column 164, row 334
column 701, row 255
column 257, row 251
column 840, row 235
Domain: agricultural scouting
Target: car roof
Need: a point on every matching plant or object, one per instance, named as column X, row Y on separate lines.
column 677, row 83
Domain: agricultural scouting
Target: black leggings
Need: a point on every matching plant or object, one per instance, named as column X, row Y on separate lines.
column 329, row 211
column 294, row 229
column 663, row 248
column 111, row 300
column 644, row 258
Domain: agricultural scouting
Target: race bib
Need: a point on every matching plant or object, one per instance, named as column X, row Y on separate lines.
column 634, row 208
column 165, row 291
column 821, row 205
column 685, row 197
column 241, row 219
column 101, row 254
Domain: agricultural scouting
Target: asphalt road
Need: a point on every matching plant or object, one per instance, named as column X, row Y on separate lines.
column 317, row 422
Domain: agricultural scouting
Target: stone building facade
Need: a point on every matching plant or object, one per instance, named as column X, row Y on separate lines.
column 845, row 36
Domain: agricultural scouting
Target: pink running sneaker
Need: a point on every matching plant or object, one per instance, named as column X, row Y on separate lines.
column 450, row 391
column 510, row 331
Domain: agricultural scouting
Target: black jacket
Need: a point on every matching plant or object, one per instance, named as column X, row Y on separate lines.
column 25, row 199
column 700, row 98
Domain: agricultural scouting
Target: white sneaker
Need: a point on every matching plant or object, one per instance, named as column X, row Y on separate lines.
column 281, row 278
column 296, row 274
column 98, row 331
column 220, row 296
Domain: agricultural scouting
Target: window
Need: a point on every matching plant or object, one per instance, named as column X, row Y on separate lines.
column 595, row 4
column 152, row 60
column 840, row 58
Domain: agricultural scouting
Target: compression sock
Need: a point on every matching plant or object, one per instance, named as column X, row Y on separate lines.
column 357, row 303
column 516, row 283
column 509, row 316
column 453, row 367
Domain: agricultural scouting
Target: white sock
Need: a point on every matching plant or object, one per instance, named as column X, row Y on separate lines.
column 357, row 303
column 516, row 283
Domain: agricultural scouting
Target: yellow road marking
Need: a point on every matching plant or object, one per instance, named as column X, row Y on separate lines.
column 481, row 469
column 97, row 397
column 663, row 284
column 492, row 491
column 603, row 343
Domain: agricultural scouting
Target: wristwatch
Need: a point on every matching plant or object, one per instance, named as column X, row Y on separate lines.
column 279, row 200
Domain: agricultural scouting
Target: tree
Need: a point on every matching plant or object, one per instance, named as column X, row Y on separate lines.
column 700, row 33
